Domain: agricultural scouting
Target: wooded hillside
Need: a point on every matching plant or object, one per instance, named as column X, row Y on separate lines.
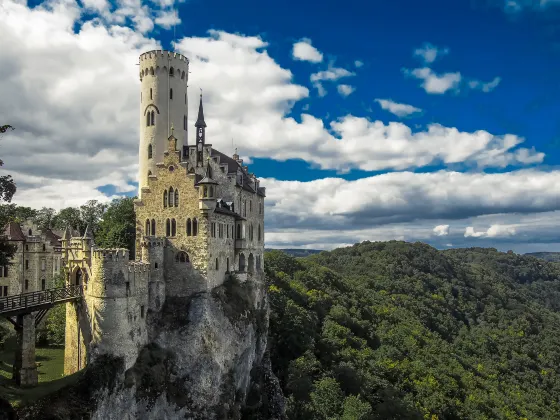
column 394, row 330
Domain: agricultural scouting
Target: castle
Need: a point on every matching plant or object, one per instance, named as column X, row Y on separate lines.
column 199, row 218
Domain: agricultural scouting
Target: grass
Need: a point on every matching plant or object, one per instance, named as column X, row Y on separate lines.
column 50, row 370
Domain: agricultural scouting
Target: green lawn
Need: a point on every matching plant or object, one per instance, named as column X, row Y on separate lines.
column 50, row 369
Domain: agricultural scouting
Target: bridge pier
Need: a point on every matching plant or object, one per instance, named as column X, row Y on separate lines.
column 25, row 368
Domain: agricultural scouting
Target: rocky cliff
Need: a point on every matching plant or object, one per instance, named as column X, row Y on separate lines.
column 206, row 359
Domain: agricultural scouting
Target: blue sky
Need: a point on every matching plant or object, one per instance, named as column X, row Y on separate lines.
column 434, row 121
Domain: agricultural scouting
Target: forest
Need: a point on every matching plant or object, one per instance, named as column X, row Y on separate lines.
column 396, row 330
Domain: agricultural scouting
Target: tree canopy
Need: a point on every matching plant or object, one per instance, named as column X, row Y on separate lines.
column 395, row 330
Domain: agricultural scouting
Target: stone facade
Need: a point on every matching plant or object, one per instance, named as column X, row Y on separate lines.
column 37, row 261
column 199, row 218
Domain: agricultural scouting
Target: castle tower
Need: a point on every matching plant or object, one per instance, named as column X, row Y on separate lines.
column 163, row 104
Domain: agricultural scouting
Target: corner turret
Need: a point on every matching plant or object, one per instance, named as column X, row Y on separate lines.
column 207, row 191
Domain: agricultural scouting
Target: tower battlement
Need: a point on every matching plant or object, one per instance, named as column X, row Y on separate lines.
column 163, row 53
column 115, row 254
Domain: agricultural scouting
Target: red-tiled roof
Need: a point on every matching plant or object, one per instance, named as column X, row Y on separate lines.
column 13, row 232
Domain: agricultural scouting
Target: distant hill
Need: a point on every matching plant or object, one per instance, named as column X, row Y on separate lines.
column 297, row 252
column 547, row 256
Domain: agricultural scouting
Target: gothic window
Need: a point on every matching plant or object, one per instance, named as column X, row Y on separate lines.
column 171, row 72
column 241, row 262
column 205, row 191
column 259, row 233
column 153, row 122
column 194, row 227
column 171, row 196
column 148, row 119
column 151, row 97
column 153, row 230
column 244, row 208
column 217, row 266
column 147, row 230
column 170, row 93
column 173, row 227
column 177, row 198
column 165, row 198
column 250, row 264
column 189, row 227
column 167, row 228
column 150, row 149
column 238, row 232
column 43, row 284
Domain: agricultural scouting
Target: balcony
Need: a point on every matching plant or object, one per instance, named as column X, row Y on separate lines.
column 240, row 243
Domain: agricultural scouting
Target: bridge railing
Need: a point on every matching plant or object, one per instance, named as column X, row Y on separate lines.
column 41, row 297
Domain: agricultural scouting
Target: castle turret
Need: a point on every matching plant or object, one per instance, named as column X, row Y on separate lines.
column 207, row 190
column 87, row 240
column 163, row 103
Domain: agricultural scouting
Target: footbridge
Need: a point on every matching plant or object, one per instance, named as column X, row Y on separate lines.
column 25, row 311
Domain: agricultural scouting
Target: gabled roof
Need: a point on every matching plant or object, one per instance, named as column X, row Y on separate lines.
column 232, row 165
column 13, row 232
column 52, row 237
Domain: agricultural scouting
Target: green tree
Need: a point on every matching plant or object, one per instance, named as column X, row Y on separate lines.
column 327, row 399
column 45, row 218
column 118, row 227
column 69, row 217
column 91, row 214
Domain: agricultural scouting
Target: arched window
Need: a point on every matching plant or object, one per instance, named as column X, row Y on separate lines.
column 173, row 227
column 171, row 72
column 151, row 97
column 147, row 230
column 165, row 198
column 241, row 262
column 217, row 264
column 153, row 230
column 148, row 119
column 182, row 75
column 251, row 263
column 194, row 227
column 171, row 196
column 167, row 227
column 238, row 232
column 189, row 227
column 170, row 93
column 177, row 198
column 150, row 149
column 43, row 284
column 205, row 191
column 151, row 71
column 259, row 233
column 153, row 122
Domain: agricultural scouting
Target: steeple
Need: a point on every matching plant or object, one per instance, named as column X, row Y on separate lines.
column 200, row 134
column 200, row 120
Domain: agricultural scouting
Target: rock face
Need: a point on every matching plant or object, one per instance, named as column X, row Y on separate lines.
column 205, row 356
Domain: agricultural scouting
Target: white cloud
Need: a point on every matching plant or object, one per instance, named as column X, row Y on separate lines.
column 494, row 231
column 485, row 87
column 436, row 83
column 332, row 74
column 358, row 63
column 428, row 52
column 167, row 19
column 345, row 90
column 441, row 230
column 400, row 110
column 304, row 51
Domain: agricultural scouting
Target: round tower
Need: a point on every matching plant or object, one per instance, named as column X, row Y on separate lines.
column 163, row 103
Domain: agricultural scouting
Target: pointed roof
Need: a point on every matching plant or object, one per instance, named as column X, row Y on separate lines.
column 200, row 120
column 87, row 233
column 66, row 234
column 13, row 232
column 208, row 176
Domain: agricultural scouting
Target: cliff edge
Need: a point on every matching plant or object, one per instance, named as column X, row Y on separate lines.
column 206, row 359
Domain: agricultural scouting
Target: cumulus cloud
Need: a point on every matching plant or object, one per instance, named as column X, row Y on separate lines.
column 304, row 51
column 435, row 83
column 400, row 110
column 358, row 63
column 332, row 74
column 485, row 87
column 345, row 90
column 494, row 231
column 441, row 230
column 428, row 52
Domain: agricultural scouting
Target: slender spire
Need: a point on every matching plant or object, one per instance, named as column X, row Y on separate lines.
column 200, row 120
column 87, row 233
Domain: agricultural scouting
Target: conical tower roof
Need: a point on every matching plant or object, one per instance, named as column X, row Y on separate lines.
column 200, row 120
